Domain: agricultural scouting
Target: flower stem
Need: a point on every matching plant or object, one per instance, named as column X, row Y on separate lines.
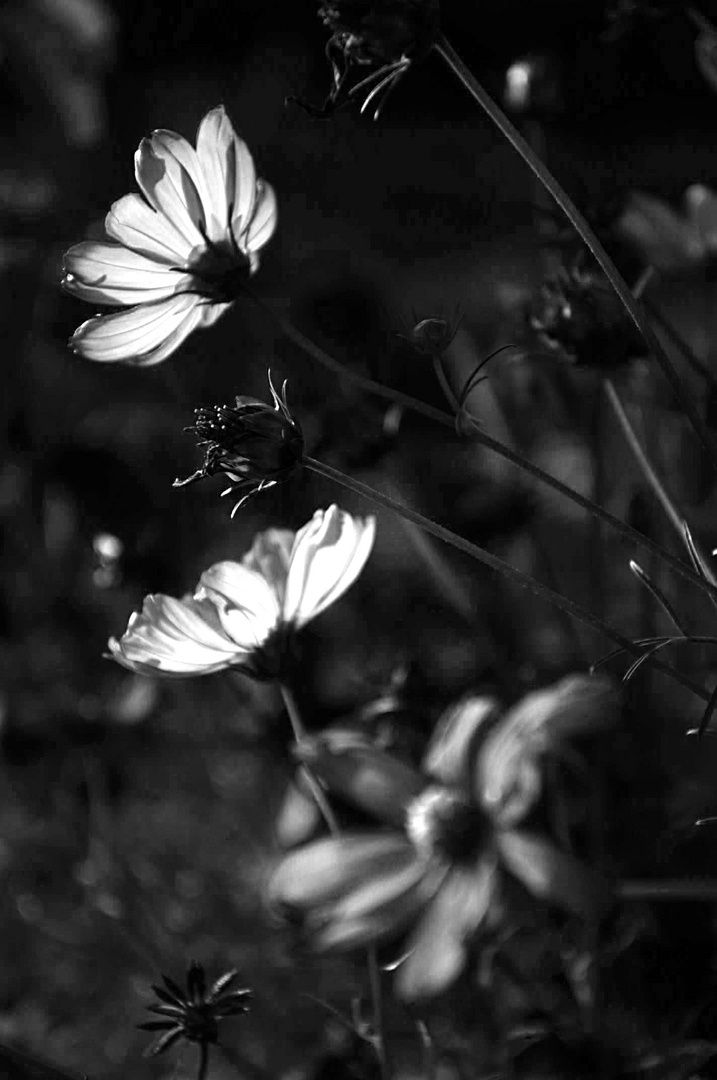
column 203, row 1061
column 444, row 48
column 297, row 726
column 669, row 889
column 496, row 563
column 641, row 457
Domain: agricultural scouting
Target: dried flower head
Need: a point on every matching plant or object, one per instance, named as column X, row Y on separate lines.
column 179, row 253
column 448, row 832
column 194, row 1014
column 578, row 315
column 256, row 445
column 381, row 36
column 244, row 614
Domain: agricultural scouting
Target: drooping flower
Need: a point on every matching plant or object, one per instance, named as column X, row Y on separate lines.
column 256, row 445
column 194, row 1014
column 376, row 39
column 179, row 253
column 244, row 614
column 449, row 831
column 577, row 314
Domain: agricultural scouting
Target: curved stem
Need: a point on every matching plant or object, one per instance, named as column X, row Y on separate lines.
column 443, row 418
column 508, row 571
column 444, row 48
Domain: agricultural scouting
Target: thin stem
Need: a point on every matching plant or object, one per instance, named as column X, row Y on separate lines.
column 203, row 1061
column 443, row 418
column 495, row 563
column 297, row 726
column 658, row 488
column 444, row 48
column 430, row 1062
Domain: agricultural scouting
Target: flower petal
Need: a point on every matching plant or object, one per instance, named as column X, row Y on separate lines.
column 260, row 229
column 132, row 336
column 173, row 637
column 368, row 778
column 229, row 174
column 112, row 274
column 270, row 555
column 381, row 906
column 328, row 555
column 132, row 222
column 324, row 871
column 438, row 947
column 168, row 187
column 450, row 755
column 508, row 777
column 246, row 604
column 553, row 875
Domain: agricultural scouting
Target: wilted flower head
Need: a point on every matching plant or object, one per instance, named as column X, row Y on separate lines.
column 242, row 614
column 578, row 315
column 194, row 1013
column 256, row 445
column 450, row 828
column 383, row 35
column 179, row 253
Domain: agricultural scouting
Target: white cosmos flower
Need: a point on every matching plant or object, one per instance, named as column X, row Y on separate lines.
column 178, row 253
column 240, row 611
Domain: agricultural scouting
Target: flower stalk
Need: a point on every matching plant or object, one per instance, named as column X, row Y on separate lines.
column 495, row 563
column 446, row 51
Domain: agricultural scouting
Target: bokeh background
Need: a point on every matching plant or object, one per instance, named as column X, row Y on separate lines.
column 138, row 818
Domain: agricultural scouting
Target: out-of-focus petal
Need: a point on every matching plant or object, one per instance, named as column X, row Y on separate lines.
column 247, row 607
column 665, row 239
column 553, row 875
column 319, row 873
column 132, row 222
column 169, row 188
column 260, row 228
column 450, row 756
column 299, row 817
column 701, row 205
column 269, row 556
column 328, row 555
column 173, row 637
column 508, row 773
column 381, row 906
column 370, row 779
column 229, row 171
column 112, row 274
column 133, row 336
column 437, row 949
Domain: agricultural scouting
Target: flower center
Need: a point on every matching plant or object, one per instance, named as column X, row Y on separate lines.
column 222, row 270
column 441, row 822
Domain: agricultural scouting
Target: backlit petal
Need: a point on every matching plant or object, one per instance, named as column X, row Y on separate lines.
column 112, row 274
column 328, row 555
column 324, row 871
column 228, row 169
column 172, row 636
column 132, row 222
column 260, row 228
column 133, row 335
column 169, row 188
column 553, row 875
column 269, row 556
column 247, row 606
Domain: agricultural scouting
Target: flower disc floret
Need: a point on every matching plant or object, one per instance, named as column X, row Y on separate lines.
column 178, row 254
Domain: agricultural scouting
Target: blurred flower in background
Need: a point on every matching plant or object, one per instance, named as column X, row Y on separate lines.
column 180, row 252
column 59, row 51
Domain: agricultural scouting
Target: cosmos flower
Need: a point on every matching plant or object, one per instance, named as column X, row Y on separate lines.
column 256, row 445
column 194, row 1013
column 243, row 614
column 379, row 40
column 180, row 252
column 449, row 831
